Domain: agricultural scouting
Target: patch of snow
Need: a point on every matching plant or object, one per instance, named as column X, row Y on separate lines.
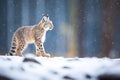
column 56, row 68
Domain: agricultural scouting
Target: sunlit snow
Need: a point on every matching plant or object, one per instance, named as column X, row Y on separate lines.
column 57, row 68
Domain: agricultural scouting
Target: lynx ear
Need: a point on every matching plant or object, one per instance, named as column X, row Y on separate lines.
column 45, row 18
column 47, row 15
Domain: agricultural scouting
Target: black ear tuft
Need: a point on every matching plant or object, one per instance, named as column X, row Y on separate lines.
column 46, row 15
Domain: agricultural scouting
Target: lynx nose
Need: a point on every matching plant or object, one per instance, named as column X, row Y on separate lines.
column 51, row 27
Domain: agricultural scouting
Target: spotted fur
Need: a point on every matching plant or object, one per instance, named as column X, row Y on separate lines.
column 31, row 34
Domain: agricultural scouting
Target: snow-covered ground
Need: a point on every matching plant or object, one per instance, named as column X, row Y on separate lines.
column 58, row 68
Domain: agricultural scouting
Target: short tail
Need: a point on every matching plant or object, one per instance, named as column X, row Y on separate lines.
column 12, row 51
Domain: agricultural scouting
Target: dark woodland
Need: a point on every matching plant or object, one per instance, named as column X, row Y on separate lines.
column 83, row 28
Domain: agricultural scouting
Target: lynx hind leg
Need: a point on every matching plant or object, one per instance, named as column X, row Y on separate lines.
column 20, row 48
column 40, row 50
column 12, row 51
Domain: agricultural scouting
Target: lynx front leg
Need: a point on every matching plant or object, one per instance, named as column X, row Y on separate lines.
column 40, row 50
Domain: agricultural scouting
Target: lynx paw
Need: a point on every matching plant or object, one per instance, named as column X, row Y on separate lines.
column 43, row 55
column 38, row 55
column 46, row 55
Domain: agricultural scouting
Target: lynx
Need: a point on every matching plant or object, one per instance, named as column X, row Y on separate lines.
column 31, row 34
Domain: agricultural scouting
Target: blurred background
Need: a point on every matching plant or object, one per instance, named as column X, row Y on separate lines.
column 83, row 28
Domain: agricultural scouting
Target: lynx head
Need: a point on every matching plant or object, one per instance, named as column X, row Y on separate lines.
column 46, row 23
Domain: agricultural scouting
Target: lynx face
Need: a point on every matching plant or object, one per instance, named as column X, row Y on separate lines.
column 48, row 25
